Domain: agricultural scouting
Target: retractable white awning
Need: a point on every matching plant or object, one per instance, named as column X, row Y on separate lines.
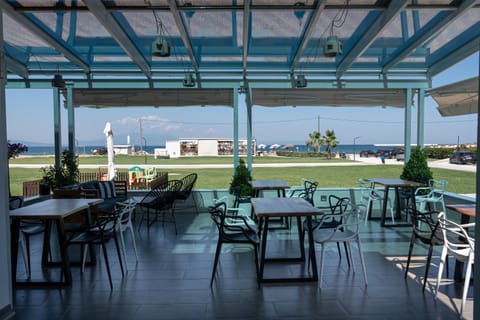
column 329, row 97
column 123, row 97
column 458, row 98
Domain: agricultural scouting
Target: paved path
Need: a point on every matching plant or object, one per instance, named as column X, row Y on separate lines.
column 358, row 161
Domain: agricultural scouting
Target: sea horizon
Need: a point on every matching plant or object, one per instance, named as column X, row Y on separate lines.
column 341, row 148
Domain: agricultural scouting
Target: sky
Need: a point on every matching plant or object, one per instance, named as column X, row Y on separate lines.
column 30, row 120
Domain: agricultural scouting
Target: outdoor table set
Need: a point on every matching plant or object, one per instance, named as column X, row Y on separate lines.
column 269, row 208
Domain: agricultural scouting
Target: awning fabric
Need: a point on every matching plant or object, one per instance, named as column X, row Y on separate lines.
column 458, row 98
column 135, row 97
column 329, row 97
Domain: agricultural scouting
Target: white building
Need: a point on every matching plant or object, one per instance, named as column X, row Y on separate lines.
column 205, row 147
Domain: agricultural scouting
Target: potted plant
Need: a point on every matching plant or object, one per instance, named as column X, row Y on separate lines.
column 416, row 169
column 240, row 186
column 66, row 174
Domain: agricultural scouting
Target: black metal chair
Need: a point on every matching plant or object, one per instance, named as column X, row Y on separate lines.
column 161, row 199
column 426, row 229
column 99, row 233
column 27, row 229
column 188, row 182
column 228, row 232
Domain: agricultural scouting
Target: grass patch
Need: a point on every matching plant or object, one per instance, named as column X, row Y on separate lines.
column 328, row 176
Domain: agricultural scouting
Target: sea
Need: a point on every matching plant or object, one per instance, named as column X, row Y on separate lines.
column 341, row 148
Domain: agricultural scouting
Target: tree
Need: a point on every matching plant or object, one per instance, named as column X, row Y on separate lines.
column 14, row 149
column 331, row 141
column 240, row 185
column 315, row 141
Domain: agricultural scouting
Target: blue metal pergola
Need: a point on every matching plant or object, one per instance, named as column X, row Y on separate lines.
column 252, row 49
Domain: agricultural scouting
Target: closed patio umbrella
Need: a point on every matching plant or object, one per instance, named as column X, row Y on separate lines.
column 110, row 153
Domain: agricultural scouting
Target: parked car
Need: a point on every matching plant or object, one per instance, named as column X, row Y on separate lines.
column 400, row 155
column 462, row 157
column 99, row 151
column 367, row 153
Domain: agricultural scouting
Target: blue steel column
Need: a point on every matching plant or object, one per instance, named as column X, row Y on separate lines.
column 57, row 126
column 421, row 118
column 235, row 128
column 71, row 120
column 408, row 124
column 6, row 290
column 249, row 130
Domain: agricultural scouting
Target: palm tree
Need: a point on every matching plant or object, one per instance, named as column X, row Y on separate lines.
column 331, row 141
column 315, row 141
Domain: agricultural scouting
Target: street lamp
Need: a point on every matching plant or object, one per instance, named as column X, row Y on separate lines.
column 145, row 149
column 354, row 140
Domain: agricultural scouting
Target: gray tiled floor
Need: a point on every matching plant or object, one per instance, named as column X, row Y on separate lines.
column 171, row 281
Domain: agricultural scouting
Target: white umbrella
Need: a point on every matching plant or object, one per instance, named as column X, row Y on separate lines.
column 275, row 146
column 109, row 135
column 261, row 146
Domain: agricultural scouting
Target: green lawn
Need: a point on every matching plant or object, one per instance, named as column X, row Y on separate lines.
column 328, row 176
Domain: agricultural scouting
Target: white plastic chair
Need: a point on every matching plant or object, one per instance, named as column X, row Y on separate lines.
column 461, row 245
column 125, row 223
column 346, row 232
column 431, row 194
column 369, row 194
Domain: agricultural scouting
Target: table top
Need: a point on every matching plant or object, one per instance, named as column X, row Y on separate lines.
column 269, row 184
column 283, row 207
column 468, row 209
column 392, row 182
column 53, row 208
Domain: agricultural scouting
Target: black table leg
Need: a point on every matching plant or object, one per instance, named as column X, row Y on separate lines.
column 263, row 248
column 311, row 249
column 62, row 241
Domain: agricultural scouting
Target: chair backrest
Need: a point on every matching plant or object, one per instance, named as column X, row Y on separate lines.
column 187, row 185
column 125, row 212
column 15, row 202
column 438, row 187
column 309, row 188
column 349, row 226
column 426, row 226
column 457, row 240
column 338, row 205
column 366, row 187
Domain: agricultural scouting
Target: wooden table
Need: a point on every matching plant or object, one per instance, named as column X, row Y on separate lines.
column 52, row 210
column 266, row 208
column 466, row 211
column 261, row 185
column 397, row 184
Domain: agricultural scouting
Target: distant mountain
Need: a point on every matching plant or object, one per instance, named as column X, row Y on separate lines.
column 31, row 143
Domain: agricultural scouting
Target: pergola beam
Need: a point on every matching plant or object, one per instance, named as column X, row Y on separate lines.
column 115, row 29
column 45, row 36
column 370, row 35
column 308, row 30
column 185, row 38
column 16, row 67
column 420, row 38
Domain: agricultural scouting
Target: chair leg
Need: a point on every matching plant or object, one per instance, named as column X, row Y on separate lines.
column 466, row 285
column 124, row 251
column 322, row 257
column 117, row 246
column 347, row 253
column 348, row 249
column 440, row 268
column 215, row 263
column 27, row 247
column 427, row 266
column 362, row 259
column 255, row 247
column 105, row 256
column 412, row 242
column 133, row 241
